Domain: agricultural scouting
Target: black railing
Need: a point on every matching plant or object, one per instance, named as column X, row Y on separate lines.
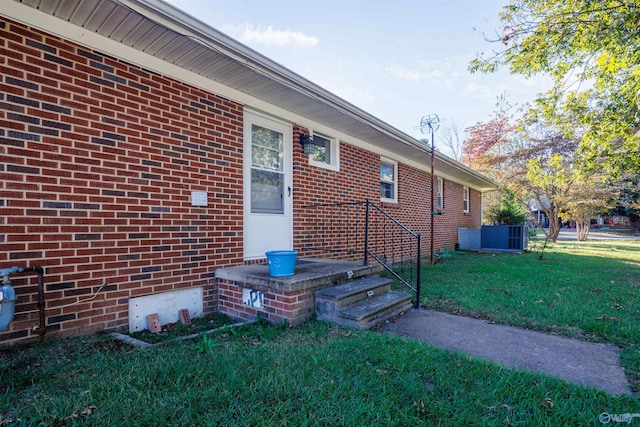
column 362, row 230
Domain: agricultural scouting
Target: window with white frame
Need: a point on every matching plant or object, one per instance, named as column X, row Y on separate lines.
column 465, row 199
column 388, row 181
column 325, row 154
column 440, row 194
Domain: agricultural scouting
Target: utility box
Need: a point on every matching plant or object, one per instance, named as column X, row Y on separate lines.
column 504, row 237
column 469, row 239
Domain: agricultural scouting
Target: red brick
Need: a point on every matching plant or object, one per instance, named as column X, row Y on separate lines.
column 120, row 134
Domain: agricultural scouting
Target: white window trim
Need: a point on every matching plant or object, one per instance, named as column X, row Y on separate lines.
column 335, row 154
column 394, row 182
column 439, row 193
column 465, row 199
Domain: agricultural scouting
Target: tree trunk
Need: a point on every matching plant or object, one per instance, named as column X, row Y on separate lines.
column 554, row 225
column 634, row 222
column 582, row 228
column 554, row 230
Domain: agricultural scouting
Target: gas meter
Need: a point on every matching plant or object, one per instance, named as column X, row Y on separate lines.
column 7, row 297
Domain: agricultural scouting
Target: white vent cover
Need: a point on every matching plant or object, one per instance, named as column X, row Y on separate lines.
column 167, row 305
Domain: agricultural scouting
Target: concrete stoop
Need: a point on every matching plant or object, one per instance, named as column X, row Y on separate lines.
column 361, row 303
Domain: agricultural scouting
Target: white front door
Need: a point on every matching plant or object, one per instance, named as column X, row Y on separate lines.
column 267, row 186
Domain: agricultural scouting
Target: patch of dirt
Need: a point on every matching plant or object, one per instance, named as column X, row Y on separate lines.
column 172, row 331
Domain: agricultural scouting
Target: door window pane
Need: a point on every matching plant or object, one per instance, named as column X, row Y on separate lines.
column 266, row 158
column 267, row 167
column 266, row 148
column 267, row 191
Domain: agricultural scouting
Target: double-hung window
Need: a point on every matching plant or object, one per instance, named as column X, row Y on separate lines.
column 465, row 199
column 388, row 181
column 440, row 194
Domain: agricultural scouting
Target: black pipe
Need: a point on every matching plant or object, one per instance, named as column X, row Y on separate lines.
column 42, row 329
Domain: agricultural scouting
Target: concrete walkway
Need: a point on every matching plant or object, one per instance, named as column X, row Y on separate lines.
column 594, row 234
column 591, row 364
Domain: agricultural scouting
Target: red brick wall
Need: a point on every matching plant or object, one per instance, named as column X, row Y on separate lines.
column 279, row 306
column 98, row 159
column 357, row 180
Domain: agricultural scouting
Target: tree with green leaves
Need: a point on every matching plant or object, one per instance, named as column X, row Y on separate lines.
column 547, row 182
column 627, row 201
column 534, row 160
column 588, row 197
column 591, row 49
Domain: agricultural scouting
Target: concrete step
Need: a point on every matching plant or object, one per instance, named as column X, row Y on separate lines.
column 368, row 313
column 329, row 301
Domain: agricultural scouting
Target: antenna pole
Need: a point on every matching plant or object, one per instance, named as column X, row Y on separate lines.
column 433, row 260
column 432, row 122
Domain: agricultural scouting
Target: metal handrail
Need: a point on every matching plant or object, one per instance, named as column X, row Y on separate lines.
column 395, row 221
column 344, row 239
column 389, row 268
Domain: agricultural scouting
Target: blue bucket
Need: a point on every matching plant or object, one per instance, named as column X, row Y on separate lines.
column 281, row 263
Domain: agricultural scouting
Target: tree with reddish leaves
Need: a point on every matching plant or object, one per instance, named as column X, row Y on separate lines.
column 534, row 160
column 485, row 139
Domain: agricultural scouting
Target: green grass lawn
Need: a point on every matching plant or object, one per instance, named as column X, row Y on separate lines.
column 266, row 375
column 587, row 290
column 320, row 374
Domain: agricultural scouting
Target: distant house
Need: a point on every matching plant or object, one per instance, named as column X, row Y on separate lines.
column 142, row 150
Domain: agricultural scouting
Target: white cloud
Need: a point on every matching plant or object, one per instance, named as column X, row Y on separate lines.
column 268, row 36
column 480, row 91
column 403, row 73
column 442, row 72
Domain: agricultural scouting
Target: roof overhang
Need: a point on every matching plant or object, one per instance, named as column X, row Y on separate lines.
column 163, row 32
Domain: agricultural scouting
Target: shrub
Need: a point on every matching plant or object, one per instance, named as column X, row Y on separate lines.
column 509, row 212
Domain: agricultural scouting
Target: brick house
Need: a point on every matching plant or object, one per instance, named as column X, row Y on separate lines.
column 141, row 150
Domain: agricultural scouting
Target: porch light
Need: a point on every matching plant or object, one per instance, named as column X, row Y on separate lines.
column 308, row 147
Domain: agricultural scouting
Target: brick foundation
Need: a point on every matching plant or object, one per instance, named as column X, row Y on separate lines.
column 292, row 308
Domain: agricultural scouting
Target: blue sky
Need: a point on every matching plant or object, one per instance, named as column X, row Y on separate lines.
column 396, row 59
